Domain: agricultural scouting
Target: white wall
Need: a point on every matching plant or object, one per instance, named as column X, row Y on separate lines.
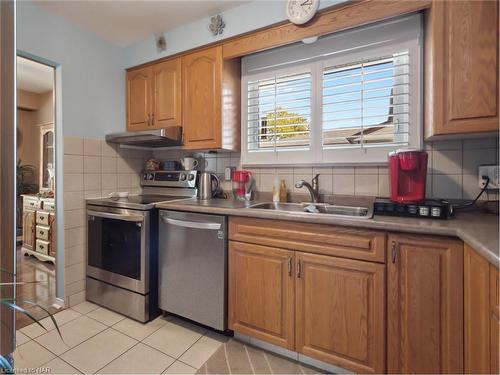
column 92, row 76
column 241, row 19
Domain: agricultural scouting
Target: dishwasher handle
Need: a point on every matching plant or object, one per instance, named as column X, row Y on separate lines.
column 191, row 224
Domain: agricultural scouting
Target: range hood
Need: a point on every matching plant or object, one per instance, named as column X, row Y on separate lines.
column 168, row 137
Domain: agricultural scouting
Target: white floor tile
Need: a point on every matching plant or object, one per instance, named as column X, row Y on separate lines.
column 30, row 356
column 137, row 330
column 173, row 339
column 141, row 359
column 58, row 366
column 85, row 307
column 73, row 333
column 62, row 317
column 105, row 316
column 97, row 352
column 180, row 368
column 21, row 338
column 200, row 352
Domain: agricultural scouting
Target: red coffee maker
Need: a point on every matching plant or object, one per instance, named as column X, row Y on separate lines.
column 407, row 175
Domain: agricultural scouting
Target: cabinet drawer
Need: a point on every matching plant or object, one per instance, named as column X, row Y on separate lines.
column 42, row 232
column 313, row 238
column 42, row 218
column 42, row 247
column 49, row 206
column 32, row 203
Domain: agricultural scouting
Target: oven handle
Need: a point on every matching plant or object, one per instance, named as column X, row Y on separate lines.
column 108, row 215
column 191, row 224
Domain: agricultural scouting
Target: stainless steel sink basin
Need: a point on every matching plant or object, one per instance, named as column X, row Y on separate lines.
column 317, row 208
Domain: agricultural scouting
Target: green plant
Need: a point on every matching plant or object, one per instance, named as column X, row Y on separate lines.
column 14, row 305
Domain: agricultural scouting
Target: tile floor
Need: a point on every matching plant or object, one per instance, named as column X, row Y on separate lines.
column 40, row 288
column 97, row 340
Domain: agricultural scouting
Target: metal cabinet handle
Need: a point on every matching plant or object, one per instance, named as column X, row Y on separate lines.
column 191, row 224
column 152, row 119
column 41, row 232
column 394, row 249
column 289, row 266
column 298, row 269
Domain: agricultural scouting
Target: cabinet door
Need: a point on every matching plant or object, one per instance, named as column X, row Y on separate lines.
column 462, row 67
column 340, row 311
column 167, row 94
column 494, row 319
column 28, row 229
column 139, row 99
column 476, row 313
column 201, row 104
column 424, row 305
column 261, row 293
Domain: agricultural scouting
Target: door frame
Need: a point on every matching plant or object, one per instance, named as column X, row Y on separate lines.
column 7, row 176
column 59, row 155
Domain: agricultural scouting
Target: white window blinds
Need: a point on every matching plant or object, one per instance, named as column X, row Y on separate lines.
column 279, row 113
column 366, row 103
column 350, row 98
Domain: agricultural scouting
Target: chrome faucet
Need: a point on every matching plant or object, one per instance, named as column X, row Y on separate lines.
column 313, row 189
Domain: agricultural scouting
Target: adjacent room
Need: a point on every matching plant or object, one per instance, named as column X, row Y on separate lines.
column 35, row 182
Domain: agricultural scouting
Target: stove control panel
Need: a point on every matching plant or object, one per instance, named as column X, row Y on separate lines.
column 185, row 179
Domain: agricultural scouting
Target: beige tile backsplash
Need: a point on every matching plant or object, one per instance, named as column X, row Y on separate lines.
column 452, row 171
column 92, row 169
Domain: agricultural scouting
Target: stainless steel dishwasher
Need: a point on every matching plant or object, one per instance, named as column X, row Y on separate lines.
column 193, row 267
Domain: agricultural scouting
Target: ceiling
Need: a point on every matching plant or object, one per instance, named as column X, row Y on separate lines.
column 33, row 76
column 123, row 22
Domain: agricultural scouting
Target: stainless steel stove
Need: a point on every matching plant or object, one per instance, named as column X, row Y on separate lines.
column 122, row 246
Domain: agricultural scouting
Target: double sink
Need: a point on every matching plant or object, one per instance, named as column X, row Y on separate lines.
column 317, row 208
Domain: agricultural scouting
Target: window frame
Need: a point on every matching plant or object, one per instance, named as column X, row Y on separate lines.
column 409, row 40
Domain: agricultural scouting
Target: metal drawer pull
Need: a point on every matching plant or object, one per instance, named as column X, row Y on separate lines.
column 108, row 215
column 394, row 251
column 191, row 224
column 298, row 269
column 289, row 266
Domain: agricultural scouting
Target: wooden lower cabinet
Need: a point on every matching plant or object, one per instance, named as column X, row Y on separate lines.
column 340, row 311
column 476, row 313
column 424, row 304
column 261, row 293
column 480, row 314
column 494, row 320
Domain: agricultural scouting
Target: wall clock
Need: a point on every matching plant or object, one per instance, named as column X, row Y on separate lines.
column 301, row 11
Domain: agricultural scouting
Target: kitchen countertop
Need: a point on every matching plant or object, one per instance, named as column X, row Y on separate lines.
column 479, row 230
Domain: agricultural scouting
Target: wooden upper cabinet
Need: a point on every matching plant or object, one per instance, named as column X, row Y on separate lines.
column 340, row 306
column 261, row 293
column 461, row 68
column 139, row 99
column 202, row 94
column 424, row 305
column 167, row 98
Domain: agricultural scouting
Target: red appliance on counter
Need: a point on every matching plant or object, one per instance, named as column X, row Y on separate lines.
column 240, row 179
column 407, row 175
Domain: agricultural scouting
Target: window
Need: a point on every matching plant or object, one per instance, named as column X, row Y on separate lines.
column 349, row 98
column 279, row 113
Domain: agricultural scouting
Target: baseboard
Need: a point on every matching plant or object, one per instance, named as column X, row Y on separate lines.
column 291, row 354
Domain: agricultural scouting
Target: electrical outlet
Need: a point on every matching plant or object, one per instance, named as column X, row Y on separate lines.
column 492, row 171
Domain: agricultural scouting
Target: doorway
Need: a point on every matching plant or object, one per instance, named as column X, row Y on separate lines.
column 36, row 229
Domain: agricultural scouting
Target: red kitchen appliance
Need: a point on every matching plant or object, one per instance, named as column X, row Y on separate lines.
column 407, row 175
column 240, row 179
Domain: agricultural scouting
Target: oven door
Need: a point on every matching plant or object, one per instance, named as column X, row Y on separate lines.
column 118, row 247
